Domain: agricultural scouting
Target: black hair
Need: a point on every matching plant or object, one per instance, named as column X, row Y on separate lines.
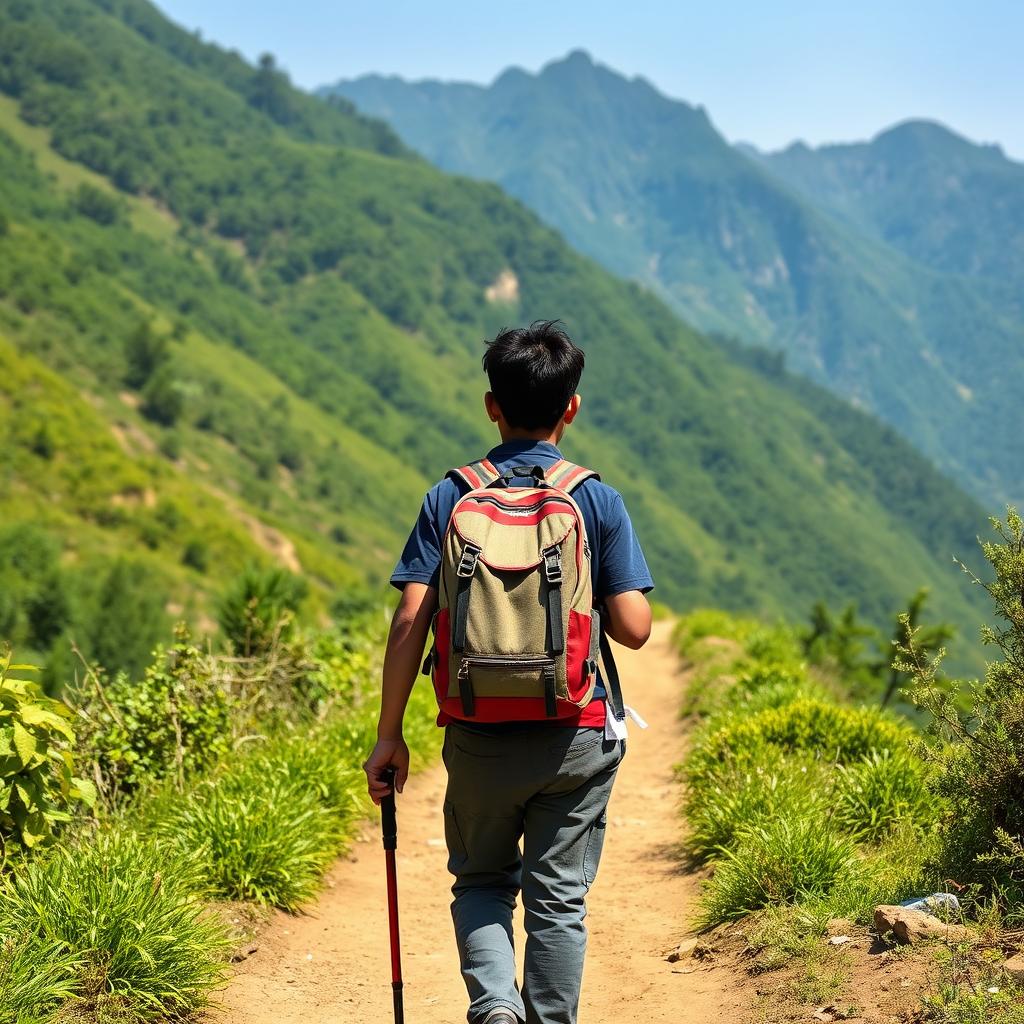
column 533, row 371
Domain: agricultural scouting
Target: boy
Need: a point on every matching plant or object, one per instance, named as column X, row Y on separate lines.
column 545, row 782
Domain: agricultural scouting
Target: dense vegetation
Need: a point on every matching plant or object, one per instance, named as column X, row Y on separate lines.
column 262, row 319
column 811, row 809
column 212, row 777
column 908, row 301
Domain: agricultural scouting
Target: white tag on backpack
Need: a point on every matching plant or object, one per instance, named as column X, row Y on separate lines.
column 616, row 730
column 613, row 728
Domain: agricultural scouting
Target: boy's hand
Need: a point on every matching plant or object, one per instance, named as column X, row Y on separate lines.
column 386, row 752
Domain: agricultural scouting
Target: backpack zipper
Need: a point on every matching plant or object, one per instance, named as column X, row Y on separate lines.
column 499, row 661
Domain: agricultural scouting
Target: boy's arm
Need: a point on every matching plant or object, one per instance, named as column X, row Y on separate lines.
column 402, row 657
column 628, row 620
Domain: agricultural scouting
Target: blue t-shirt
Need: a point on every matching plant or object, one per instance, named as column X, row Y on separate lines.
column 617, row 564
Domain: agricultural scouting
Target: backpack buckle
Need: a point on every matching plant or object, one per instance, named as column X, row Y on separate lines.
column 552, row 564
column 467, row 564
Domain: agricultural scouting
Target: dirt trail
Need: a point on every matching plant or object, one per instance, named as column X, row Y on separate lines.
column 332, row 965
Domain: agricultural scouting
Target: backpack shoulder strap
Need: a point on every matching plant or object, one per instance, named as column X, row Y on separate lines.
column 476, row 474
column 567, row 476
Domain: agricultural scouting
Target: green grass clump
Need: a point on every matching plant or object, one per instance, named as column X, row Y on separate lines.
column 259, row 835
column 113, row 923
column 784, row 860
column 881, row 789
column 35, row 972
column 739, row 797
column 798, row 799
column 832, row 731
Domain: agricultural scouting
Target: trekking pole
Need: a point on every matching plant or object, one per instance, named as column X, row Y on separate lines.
column 389, row 828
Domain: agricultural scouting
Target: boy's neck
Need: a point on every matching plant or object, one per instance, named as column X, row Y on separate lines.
column 551, row 436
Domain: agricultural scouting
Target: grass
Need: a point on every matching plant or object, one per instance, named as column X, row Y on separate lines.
column 785, row 860
column 112, row 922
column 971, row 988
column 806, row 808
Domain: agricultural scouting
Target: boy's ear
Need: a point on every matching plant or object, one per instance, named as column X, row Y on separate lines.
column 572, row 409
column 492, row 407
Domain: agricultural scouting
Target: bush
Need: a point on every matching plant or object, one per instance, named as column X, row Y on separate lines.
column 125, row 913
column 834, row 732
column 771, row 685
column 175, row 721
column 979, row 758
column 97, row 204
column 787, row 860
column 37, row 785
column 705, row 622
column 127, row 618
column 738, row 798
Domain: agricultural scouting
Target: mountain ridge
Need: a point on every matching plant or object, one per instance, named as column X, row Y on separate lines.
column 646, row 185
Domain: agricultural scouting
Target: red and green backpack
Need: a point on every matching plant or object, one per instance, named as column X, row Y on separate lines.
column 516, row 636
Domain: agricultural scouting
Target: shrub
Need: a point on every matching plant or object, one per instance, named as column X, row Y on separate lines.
column 125, row 912
column 37, row 784
column 771, row 685
column 176, row 720
column 343, row 660
column 258, row 608
column 97, row 204
column 705, row 622
column 127, row 618
column 882, row 789
column 786, row 860
column 979, row 759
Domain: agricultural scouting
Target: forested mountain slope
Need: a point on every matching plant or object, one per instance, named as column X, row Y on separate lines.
column 885, row 307
column 937, row 197
column 261, row 321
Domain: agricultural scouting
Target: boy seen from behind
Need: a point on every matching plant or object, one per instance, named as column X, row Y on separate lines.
column 520, row 560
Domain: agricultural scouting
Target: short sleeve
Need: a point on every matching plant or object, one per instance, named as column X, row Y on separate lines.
column 421, row 558
column 621, row 566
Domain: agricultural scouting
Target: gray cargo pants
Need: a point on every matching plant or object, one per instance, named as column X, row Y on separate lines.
column 549, row 786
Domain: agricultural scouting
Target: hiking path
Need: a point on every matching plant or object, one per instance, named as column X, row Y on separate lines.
column 331, row 965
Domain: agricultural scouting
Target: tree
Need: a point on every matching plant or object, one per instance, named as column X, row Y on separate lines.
column 145, row 352
column 928, row 639
column 162, row 398
column 271, row 92
column 259, row 607
column 979, row 756
column 127, row 619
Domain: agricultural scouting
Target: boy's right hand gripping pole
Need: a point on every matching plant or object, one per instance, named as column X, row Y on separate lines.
column 389, row 828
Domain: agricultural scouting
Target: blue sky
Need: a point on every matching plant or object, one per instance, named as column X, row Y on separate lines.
column 766, row 72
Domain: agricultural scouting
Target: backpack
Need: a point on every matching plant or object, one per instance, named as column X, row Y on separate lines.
column 516, row 636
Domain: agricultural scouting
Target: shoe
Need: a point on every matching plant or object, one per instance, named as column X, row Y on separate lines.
column 500, row 1016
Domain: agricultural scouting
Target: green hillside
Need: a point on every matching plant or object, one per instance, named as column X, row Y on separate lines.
column 647, row 186
column 260, row 320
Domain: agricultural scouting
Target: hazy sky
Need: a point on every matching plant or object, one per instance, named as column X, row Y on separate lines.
column 767, row 72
